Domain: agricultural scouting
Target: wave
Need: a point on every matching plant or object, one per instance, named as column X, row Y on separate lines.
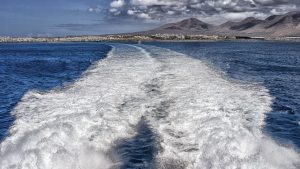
column 199, row 118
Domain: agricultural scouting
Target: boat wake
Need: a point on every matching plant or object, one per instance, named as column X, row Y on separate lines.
column 145, row 107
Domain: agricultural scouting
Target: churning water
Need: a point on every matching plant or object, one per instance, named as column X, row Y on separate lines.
column 141, row 106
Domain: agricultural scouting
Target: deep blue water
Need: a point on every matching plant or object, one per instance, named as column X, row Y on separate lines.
column 42, row 67
column 276, row 65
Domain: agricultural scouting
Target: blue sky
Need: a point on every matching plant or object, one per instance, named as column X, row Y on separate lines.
column 61, row 18
column 82, row 17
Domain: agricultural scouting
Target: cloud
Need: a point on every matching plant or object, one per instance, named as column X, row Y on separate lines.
column 222, row 9
column 273, row 2
column 95, row 8
column 117, row 4
column 144, row 16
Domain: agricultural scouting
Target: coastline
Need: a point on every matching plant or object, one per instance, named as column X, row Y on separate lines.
column 143, row 38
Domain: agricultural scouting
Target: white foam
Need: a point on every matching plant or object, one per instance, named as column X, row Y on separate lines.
column 75, row 127
column 202, row 119
column 213, row 122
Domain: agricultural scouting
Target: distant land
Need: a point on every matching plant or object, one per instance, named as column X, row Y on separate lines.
column 275, row 27
column 287, row 25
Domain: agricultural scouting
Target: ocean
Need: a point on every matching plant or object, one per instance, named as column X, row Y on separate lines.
column 153, row 105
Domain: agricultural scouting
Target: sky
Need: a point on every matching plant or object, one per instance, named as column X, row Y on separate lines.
column 28, row 18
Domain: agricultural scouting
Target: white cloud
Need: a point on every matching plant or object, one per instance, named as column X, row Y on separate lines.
column 156, row 2
column 112, row 10
column 214, row 10
column 144, row 16
column 94, row 9
column 170, row 12
column 272, row 2
column 117, row 4
column 130, row 12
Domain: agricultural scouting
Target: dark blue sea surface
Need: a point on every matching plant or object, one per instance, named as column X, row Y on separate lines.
column 42, row 67
column 276, row 65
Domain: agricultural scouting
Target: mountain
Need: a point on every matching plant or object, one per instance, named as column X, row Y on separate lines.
column 280, row 25
column 273, row 26
column 241, row 26
column 187, row 26
column 191, row 24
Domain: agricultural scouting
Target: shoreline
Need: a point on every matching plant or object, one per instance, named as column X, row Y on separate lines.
column 144, row 38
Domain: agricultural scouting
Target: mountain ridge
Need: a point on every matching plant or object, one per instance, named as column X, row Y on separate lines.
column 285, row 25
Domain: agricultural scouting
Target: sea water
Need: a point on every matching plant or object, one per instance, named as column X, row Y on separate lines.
column 157, row 105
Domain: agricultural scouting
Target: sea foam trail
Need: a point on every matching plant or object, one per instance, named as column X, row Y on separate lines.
column 75, row 127
column 200, row 119
column 209, row 121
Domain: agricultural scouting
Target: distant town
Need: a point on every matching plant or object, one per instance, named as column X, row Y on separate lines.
column 100, row 38
column 156, row 37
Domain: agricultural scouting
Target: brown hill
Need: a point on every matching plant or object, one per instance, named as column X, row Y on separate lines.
column 286, row 25
column 241, row 26
column 187, row 26
column 191, row 24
